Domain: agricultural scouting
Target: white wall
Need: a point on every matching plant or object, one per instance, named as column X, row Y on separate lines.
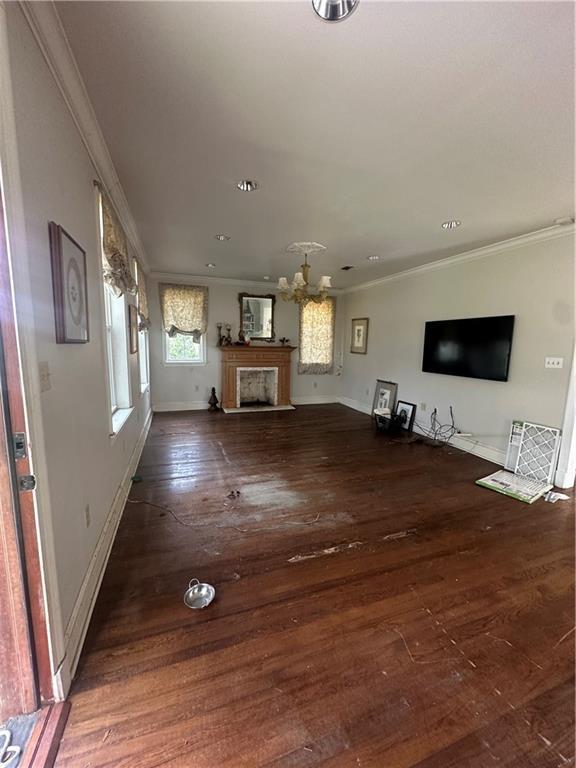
column 181, row 387
column 77, row 462
column 534, row 282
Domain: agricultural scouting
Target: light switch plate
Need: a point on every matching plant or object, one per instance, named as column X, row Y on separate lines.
column 554, row 362
column 44, row 370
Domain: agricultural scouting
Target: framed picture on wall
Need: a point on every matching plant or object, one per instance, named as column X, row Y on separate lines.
column 359, row 342
column 384, row 396
column 70, row 287
column 133, row 328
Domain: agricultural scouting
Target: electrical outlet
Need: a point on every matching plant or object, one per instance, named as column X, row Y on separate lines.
column 44, row 370
column 315, row 385
column 423, row 407
column 554, row 362
column 87, row 515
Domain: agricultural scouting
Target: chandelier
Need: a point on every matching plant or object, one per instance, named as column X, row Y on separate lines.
column 299, row 290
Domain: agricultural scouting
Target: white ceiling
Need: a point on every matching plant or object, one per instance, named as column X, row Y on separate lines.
column 364, row 135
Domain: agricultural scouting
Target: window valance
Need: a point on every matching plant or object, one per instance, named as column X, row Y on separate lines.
column 184, row 309
column 317, row 337
column 115, row 259
column 143, row 310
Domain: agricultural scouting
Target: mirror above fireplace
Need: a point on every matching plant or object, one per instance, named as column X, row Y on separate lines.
column 257, row 316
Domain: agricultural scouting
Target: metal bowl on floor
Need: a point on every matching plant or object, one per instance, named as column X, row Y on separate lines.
column 199, row 595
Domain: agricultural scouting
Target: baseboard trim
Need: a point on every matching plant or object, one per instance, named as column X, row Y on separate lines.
column 314, row 400
column 564, row 479
column 488, row 452
column 82, row 612
column 191, row 405
column 356, row 405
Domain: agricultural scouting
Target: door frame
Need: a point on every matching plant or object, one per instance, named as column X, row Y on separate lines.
column 21, row 544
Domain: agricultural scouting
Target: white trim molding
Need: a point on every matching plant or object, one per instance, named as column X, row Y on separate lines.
column 315, row 400
column 45, row 23
column 190, row 405
column 566, row 470
column 82, row 611
column 541, row 235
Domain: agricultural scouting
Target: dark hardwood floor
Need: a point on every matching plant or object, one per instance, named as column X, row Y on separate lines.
column 374, row 607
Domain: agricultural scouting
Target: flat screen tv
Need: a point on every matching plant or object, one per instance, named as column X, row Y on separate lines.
column 477, row 347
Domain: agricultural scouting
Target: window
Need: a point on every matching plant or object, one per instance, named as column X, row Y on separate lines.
column 317, row 337
column 184, row 316
column 183, row 349
column 117, row 351
column 116, row 329
column 143, row 342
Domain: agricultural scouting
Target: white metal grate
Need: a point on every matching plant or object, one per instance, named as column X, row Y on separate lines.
column 538, row 452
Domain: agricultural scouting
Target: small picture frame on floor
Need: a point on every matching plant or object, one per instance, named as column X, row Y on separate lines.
column 405, row 414
column 384, row 396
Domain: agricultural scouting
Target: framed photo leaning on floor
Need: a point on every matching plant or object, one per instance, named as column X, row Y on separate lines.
column 384, row 395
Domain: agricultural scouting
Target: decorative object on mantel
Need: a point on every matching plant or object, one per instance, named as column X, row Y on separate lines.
column 284, row 341
column 299, row 290
column 220, row 337
column 228, row 339
column 69, row 287
column 213, row 401
column 359, row 343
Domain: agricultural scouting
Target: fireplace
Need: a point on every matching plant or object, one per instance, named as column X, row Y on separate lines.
column 255, row 377
column 256, row 386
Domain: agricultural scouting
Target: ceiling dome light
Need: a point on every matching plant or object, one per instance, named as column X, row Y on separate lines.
column 247, row 185
column 373, row 258
column 452, row 224
column 210, row 265
column 334, row 10
column 222, row 238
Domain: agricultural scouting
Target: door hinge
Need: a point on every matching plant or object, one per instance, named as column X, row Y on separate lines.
column 26, row 483
column 19, row 442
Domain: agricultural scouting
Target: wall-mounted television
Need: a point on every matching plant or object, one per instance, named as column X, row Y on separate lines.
column 477, row 347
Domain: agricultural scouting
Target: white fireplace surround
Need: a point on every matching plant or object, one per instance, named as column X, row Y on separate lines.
column 256, row 385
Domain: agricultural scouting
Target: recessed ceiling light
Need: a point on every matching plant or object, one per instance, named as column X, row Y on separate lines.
column 266, row 277
column 247, row 185
column 210, row 265
column 222, row 238
column 334, row 10
column 373, row 258
column 452, row 224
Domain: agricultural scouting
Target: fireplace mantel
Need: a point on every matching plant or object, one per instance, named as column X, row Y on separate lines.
column 251, row 356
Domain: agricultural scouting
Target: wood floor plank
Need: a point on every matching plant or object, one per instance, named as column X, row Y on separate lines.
column 374, row 607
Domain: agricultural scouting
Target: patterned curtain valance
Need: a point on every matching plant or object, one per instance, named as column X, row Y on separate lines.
column 143, row 311
column 115, row 259
column 184, row 309
column 317, row 337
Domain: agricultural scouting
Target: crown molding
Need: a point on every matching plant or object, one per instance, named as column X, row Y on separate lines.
column 178, row 277
column 539, row 236
column 47, row 28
